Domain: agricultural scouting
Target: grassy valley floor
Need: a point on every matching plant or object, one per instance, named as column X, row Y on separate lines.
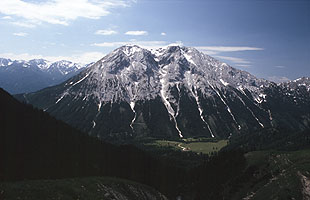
column 199, row 145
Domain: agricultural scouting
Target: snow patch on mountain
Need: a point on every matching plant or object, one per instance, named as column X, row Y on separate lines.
column 194, row 93
column 130, row 74
column 132, row 106
column 223, row 82
column 227, row 107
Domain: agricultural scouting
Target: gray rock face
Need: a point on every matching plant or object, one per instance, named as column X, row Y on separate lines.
column 303, row 82
column 21, row 76
column 171, row 92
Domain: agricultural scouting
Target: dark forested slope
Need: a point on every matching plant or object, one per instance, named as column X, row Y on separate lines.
column 33, row 145
column 36, row 146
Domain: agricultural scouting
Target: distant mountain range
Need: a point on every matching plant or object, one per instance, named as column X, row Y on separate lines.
column 172, row 92
column 19, row 76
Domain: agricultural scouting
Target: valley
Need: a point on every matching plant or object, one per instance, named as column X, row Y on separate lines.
column 139, row 124
column 198, row 145
column 154, row 100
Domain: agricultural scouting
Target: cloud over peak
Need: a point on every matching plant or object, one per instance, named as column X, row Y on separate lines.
column 136, row 33
column 217, row 50
column 105, row 32
column 234, row 59
column 153, row 44
column 20, row 34
column 278, row 79
column 228, row 48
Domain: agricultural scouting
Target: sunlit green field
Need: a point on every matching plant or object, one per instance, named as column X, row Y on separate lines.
column 205, row 147
column 195, row 145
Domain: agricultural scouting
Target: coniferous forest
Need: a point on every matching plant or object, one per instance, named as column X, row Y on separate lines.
column 35, row 145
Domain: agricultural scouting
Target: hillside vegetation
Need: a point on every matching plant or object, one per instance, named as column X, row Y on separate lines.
column 36, row 146
column 93, row 188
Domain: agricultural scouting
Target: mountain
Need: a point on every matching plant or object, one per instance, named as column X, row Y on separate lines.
column 21, row 76
column 172, row 92
column 295, row 85
column 34, row 145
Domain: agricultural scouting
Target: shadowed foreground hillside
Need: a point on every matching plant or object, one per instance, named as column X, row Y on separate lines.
column 36, row 146
column 94, row 188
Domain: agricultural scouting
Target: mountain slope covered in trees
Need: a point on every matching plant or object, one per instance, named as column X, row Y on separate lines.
column 37, row 146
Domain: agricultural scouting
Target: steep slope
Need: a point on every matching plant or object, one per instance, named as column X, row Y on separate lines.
column 34, row 145
column 275, row 175
column 20, row 76
column 94, row 188
column 171, row 92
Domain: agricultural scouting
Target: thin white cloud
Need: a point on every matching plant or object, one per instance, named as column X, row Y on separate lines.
column 234, row 59
column 23, row 24
column 227, row 48
column 6, row 17
column 279, row 66
column 145, row 44
column 136, row 33
column 210, row 53
column 105, row 32
column 58, row 11
column 50, row 43
column 278, row 79
column 83, row 58
column 243, row 66
column 20, row 34
column 217, row 50
column 163, row 34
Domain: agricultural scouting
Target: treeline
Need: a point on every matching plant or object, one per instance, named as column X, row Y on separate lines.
column 34, row 145
column 276, row 139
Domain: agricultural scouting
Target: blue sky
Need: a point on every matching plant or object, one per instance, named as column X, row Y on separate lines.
column 270, row 39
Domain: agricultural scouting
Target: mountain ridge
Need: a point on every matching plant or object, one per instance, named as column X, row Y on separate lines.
column 20, row 76
column 187, row 92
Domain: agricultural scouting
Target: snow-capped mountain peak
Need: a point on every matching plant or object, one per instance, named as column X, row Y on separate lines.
column 300, row 82
column 5, row 62
column 176, row 91
column 20, row 76
column 131, row 68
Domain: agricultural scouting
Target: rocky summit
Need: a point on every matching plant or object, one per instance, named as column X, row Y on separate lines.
column 172, row 92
